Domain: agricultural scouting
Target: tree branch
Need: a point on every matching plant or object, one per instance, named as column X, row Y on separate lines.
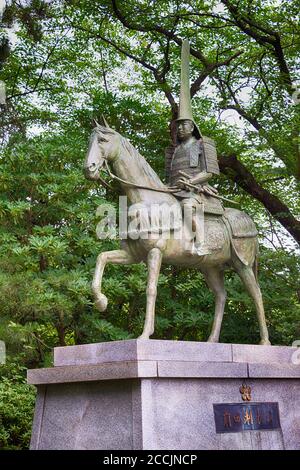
column 238, row 173
column 209, row 69
column 159, row 75
column 263, row 36
column 241, row 111
column 45, row 63
column 169, row 34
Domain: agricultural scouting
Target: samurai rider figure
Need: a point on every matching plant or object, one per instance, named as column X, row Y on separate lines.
column 191, row 165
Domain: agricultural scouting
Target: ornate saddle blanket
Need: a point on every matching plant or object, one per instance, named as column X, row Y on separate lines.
column 145, row 219
column 242, row 226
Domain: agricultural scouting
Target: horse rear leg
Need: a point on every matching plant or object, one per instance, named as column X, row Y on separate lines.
column 249, row 280
column 113, row 257
column 215, row 281
column 154, row 264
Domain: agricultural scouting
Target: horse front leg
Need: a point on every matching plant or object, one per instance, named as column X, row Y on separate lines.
column 113, row 257
column 154, row 264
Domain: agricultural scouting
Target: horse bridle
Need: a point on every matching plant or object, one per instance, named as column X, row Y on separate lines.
column 169, row 190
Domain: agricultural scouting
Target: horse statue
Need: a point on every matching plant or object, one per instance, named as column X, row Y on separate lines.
column 232, row 238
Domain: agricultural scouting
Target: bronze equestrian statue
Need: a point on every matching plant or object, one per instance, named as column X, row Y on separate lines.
column 220, row 238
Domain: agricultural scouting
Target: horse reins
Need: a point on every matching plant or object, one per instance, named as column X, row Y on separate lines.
column 128, row 183
column 170, row 190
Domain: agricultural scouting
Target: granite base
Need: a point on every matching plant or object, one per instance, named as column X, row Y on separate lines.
column 159, row 395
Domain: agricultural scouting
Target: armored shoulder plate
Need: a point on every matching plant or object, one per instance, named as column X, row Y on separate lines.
column 210, row 156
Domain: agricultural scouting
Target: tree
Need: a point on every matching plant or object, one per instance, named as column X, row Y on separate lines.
column 246, row 48
column 65, row 64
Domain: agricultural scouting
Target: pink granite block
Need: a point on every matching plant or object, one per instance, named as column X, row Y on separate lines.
column 144, row 350
column 262, row 354
column 164, row 350
column 95, row 353
column 84, row 416
column 38, row 417
column 165, row 400
column 274, row 371
column 201, row 369
column 88, row 373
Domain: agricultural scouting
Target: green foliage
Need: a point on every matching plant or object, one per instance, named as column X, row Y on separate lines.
column 66, row 66
column 16, row 408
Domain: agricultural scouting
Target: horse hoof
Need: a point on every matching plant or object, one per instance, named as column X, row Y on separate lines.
column 265, row 342
column 144, row 336
column 211, row 339
column 101, row 302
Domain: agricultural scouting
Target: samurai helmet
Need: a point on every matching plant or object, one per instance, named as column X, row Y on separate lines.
column 185, row 106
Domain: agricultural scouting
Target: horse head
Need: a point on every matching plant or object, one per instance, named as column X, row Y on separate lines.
column 104, row 145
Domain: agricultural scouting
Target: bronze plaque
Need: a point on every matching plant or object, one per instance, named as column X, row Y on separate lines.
column 237, row 417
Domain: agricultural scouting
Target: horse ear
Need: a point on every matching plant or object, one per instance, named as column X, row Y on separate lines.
column 96, row 123
column 104, row 121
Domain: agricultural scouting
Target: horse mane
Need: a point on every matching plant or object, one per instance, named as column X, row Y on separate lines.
column 140, row 161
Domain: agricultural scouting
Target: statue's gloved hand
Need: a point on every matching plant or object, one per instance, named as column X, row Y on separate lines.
column 201, row 178
column 183, row 183
column 209, row 189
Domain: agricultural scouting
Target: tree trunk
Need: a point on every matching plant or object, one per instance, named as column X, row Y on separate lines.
column 61, row 334
column 238, row 173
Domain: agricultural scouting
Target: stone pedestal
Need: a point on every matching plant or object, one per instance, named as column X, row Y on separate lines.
column 161, row 394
